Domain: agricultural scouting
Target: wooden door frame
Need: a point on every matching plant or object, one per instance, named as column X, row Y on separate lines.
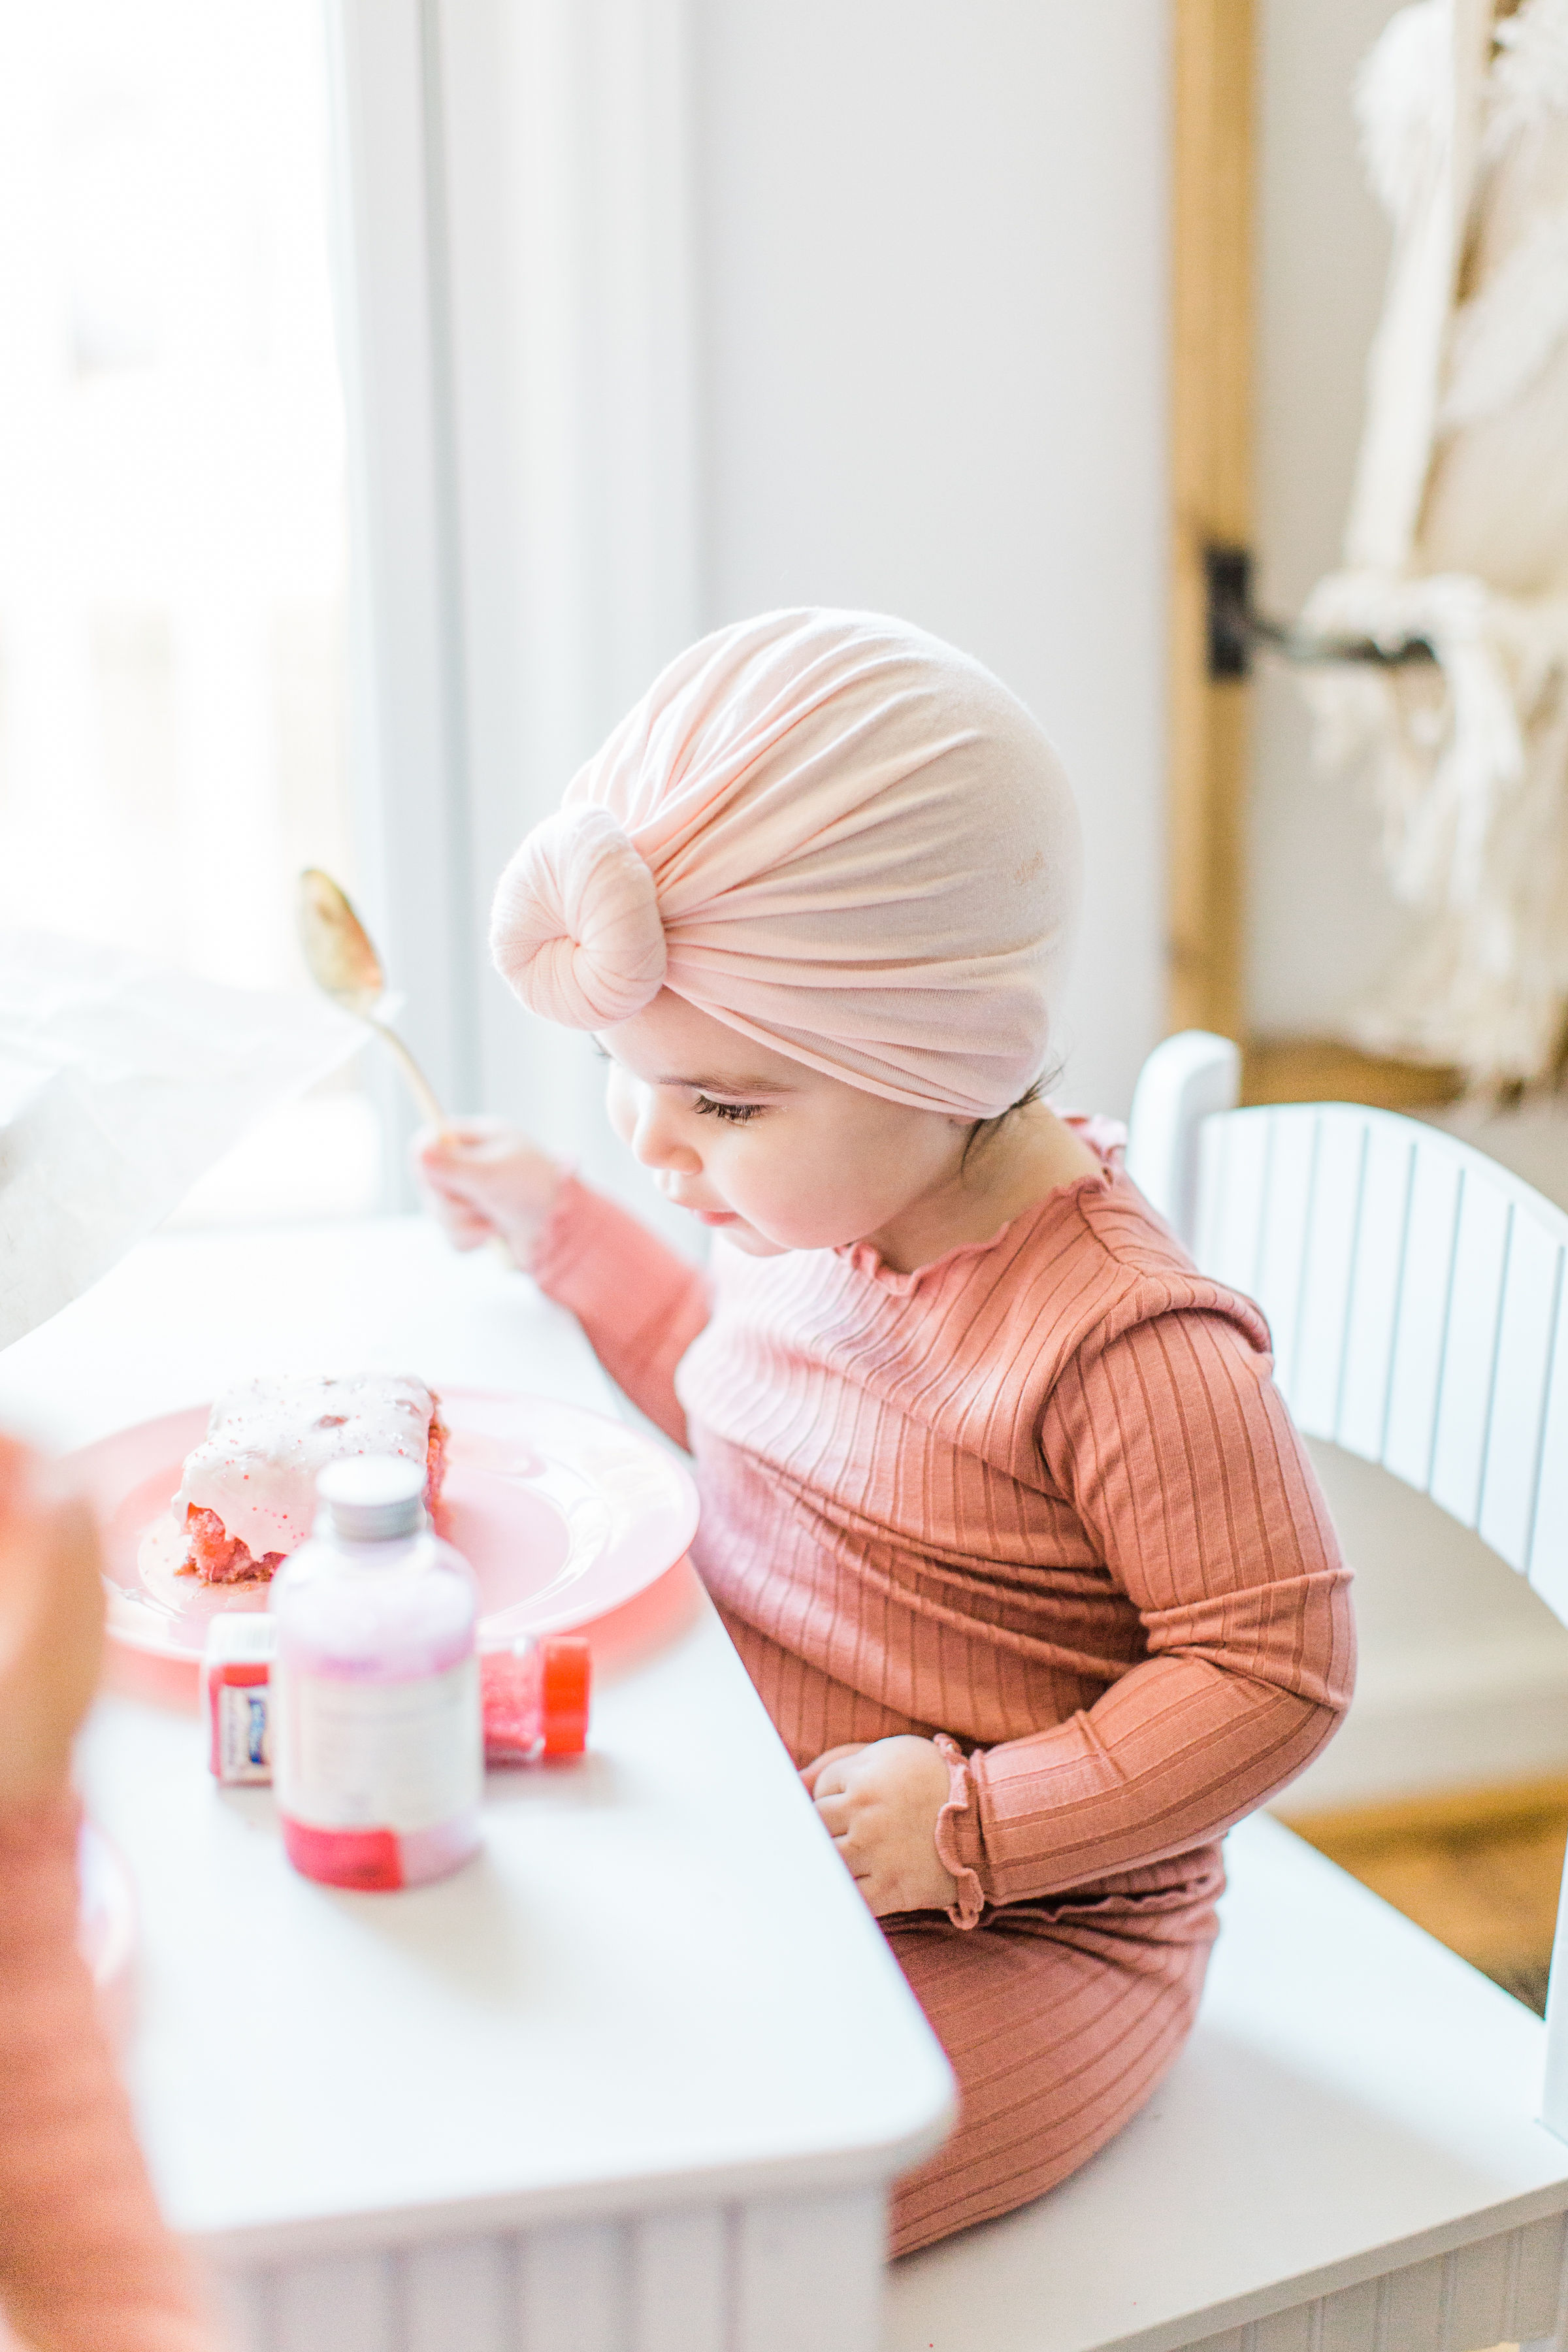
column 1214, row 212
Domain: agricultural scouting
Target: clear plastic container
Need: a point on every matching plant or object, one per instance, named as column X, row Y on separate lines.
column 376, row 1736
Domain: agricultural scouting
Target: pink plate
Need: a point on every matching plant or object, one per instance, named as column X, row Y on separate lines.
column 563, row 1515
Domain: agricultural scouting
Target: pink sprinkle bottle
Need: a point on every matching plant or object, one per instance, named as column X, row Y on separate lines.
column 377, row 1743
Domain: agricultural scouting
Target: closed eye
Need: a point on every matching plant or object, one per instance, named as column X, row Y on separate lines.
column 737, row 1113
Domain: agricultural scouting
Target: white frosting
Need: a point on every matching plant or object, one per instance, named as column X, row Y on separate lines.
column 268, row 1437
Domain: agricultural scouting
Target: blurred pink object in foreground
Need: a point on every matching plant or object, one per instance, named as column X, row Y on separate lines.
column 106, row 1928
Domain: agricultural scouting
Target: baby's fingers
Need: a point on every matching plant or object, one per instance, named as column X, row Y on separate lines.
column 449, row 1160
column 829, row 1755
column 467, row 1232
column 463, row 1224
column 834, row 1812
column 454, row 1137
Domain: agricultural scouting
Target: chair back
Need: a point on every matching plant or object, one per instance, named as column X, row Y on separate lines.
column 1414, row 1292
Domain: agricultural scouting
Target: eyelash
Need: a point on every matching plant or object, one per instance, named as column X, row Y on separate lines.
column 736, row 1113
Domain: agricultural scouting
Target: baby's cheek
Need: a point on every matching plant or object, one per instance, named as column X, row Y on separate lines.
column 765, row 1187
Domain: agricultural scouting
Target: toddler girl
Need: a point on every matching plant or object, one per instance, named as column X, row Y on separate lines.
column 1000, row 1504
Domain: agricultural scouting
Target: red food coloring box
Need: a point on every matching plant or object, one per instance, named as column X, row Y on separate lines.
column 536, row 1698
column 235, row 1674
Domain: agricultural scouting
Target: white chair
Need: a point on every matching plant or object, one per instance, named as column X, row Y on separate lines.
column 1359, row 2150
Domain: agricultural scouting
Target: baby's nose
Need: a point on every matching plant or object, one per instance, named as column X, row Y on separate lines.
column 657, row 1141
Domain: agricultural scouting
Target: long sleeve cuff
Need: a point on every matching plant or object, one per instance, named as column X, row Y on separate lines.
column 958, row 1846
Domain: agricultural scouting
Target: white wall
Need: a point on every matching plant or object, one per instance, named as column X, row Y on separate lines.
column 932, row 279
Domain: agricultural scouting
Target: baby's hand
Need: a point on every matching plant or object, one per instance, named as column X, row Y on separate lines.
column 51, row 1626
column 479, row 1176
column 880, row 1803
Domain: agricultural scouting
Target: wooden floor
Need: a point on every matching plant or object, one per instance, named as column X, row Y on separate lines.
column 1480, row 1870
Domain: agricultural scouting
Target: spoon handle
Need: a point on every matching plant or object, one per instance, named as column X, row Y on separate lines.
column 431, row 1110
column 419, row 1085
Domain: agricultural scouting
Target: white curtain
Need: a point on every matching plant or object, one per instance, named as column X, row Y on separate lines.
column 515, row 205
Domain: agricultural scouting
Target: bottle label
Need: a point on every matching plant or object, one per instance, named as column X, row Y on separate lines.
column 393, row 1756
column 241, row 1746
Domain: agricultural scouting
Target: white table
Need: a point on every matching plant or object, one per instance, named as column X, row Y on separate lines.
column 635, row 2080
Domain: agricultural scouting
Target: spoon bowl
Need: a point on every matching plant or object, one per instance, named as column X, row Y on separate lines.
column 343, row 963
column 339, row 955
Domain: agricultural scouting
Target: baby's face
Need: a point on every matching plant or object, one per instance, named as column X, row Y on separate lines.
column 776, row 1156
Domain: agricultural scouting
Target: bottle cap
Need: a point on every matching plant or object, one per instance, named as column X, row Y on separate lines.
column 373, row 1497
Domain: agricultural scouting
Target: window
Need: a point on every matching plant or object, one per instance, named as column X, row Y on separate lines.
column 173, row 523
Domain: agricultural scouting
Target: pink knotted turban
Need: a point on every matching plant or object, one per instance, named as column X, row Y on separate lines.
column 833, row 834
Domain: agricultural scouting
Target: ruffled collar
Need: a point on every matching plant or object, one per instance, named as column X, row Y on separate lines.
column 1104, row 1136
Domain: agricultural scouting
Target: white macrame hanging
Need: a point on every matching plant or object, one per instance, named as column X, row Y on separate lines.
column 1458, row 532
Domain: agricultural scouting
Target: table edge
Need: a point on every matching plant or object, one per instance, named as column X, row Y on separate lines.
column 768, row 2181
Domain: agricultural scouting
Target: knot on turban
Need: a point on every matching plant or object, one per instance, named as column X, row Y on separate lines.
column 832, row 833
column 575, row 926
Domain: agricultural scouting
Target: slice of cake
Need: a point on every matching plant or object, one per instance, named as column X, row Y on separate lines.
column 248, row 1495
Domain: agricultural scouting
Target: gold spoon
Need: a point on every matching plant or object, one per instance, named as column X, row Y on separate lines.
column 346, row 966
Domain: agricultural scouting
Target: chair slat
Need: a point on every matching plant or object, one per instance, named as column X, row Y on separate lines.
column 1532, row 1303
column 1215, row 1143
column 1328, row 1269
column 1415, row 1292
column 1287, row 1214
column 1374, row 1303
column 1437, row 1187
column 1469, row 1348
column 1548, row 1568
column 1231, row 1227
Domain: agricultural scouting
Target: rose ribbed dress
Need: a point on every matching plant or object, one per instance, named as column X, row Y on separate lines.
column 1040, row 1498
